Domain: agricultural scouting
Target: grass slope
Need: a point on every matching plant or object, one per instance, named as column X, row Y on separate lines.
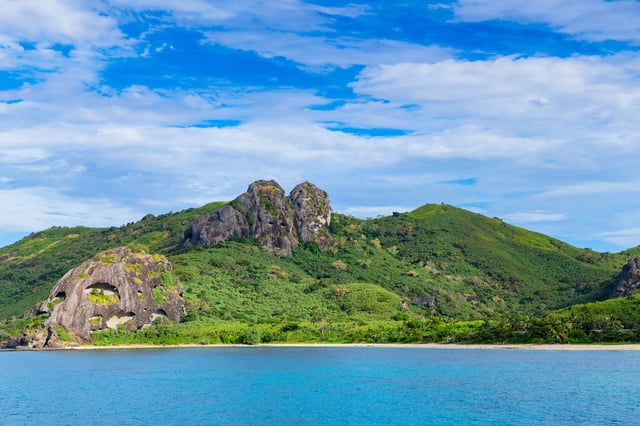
column 501, row 267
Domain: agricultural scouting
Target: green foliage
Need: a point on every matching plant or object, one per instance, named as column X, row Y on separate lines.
column 501, row 268
column 82, row 275
column 96, row 320
column 13, row 329
column 339, row 265
column 371, row 299
column 168, row 279
column 107, row 258
column 98, row 297
column 158, row 295
column 195, row 332
column 63, row 334
column 614, row 320
column 253, row 336
column 134, row 268
column 55, row 301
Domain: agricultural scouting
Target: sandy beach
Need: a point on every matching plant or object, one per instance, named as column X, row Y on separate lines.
column 542, row 347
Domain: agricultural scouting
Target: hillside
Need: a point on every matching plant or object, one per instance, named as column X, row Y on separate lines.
column 291, row 268
column 445, row 260
column 519, row 270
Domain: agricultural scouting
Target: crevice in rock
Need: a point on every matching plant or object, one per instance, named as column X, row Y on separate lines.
column 106, row 289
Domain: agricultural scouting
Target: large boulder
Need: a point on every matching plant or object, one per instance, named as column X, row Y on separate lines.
column 279, row 223
column 117, row 288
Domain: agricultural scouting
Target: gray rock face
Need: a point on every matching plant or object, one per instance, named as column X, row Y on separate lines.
column 224, row 223
column 628, row 279
column 116, row 288
column 312, row 215
column 264, row 213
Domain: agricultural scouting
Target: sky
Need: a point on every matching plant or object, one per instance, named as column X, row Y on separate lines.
column 517, row 109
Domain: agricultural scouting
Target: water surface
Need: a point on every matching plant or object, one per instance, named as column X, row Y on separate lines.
column 320, row 385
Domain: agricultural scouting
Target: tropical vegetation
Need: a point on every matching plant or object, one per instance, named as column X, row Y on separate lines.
column 436, row 274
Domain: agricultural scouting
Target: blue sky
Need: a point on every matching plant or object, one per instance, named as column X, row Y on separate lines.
column 527, row 111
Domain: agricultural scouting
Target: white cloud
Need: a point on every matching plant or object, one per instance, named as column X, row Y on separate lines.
column 65, row 101
column 436, row 6
column 537, row 216
column 21, row 155
column 55, row 50
column 320, row 51
column 593, row 188
column 534, row 88
column 472, row 142
column 59, row 21
column 287, row 15
column 160, row 148
column 588, row 19
column 13, row 56
column 293, row 29
column 193, row 10
column 565, row 127
column 625, row 238
column 579, row 110
column 37, row 208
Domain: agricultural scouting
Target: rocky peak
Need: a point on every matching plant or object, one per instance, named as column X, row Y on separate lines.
column 264, row 213
column 269, row 216
column 117, row 288
column 312, row 215
column 628, row 279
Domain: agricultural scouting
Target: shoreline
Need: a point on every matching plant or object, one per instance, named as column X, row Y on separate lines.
column 536, row 347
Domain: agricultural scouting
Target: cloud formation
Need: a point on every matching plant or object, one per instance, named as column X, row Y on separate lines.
column 78, row 23
column 595, row 20
column 526, row 217
column 113, row 109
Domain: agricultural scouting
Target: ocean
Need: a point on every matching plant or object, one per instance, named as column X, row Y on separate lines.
column 320, row 386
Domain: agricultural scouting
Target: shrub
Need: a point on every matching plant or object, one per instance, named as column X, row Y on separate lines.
column 339, row 265
column 253, row 336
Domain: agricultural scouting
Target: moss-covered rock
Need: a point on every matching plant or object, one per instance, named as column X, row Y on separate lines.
column 117, row 288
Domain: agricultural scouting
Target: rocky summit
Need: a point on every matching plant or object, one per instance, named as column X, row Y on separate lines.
column 280, row 223
column 117, row 288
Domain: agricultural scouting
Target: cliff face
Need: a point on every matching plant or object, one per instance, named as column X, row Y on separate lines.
column 628, row 279
column 116, row 288
column 278, row 222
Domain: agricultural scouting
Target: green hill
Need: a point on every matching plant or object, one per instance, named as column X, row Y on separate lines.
column 434, row 263
column 518, row 270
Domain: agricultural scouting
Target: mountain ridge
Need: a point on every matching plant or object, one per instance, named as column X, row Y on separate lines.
column 437, row 261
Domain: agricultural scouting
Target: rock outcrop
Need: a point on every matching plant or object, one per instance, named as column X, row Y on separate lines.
column 264, row 213
column 117, row 288
column 312, row 215
column 628, row 281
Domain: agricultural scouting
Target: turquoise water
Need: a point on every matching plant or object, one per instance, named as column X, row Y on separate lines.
column 332, row 386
